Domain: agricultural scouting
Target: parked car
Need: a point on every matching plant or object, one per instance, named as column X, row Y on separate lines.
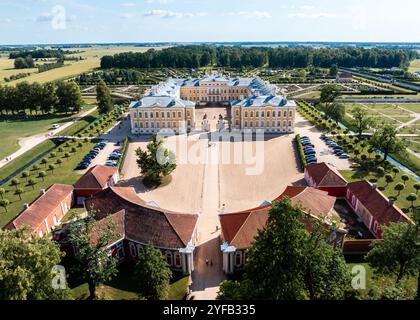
column 82, row 166
column 312, row 162
column 344, row 156
column 111, row 163
column 355, row 166
column 311, row 152
column 308, row 145
column 55, row 126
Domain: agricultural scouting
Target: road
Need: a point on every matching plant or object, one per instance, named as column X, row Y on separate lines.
column 28, row 143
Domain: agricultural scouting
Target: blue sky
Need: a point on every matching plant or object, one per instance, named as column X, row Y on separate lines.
column 77, row 21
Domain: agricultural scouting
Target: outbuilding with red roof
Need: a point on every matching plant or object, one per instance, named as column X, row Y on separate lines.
column 325, row 177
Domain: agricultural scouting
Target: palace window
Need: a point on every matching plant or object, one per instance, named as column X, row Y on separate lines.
column 158, row 125
column 238, row 259
column 284, row 123
column 169, row 258
column 257, row 114
column 251, row 124
column 188, row 113
column 168, row 114
column 274, row 114
column 146, row 115
column 141, row 125
column 157, row 114
column 135, row 114
column 135, row 124
column 178, row 262
column 163, row 115
column 246, row 124
column 262, row 114
column 237, row 112
column 246, row 113
column 290, row 123
column 133, row 250
column 140, row 115
column 151, row 115
column 279, row 114
column 179, row 114
column 173, row 114
column 237, row 123
column 285, row 114
column 291, row 113
column 147, row 124
column 252, row 113
column 273, row 123
column 153, row 125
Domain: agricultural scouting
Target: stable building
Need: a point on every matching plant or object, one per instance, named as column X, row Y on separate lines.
column 143, row 223
column 46, row 212
column 240, row 229
column 373, row 207
column 325, row 177
column 93, row 181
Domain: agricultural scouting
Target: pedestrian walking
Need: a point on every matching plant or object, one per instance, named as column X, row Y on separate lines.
column 207, row 262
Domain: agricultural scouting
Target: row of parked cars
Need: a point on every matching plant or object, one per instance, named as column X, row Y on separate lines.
column 337, row 149
column 113, row 158
column 308, row 150
column 87, row 160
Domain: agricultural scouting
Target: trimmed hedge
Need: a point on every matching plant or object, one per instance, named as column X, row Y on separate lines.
column 303, row 162
column 123, row 154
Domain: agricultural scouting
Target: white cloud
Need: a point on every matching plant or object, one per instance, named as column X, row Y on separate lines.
column 252, row 14
column 5, row 20
column 127, row 16
column 307, row 7
column 171, row 14
column 128, row 4
column 158, row 1
column 302, row 15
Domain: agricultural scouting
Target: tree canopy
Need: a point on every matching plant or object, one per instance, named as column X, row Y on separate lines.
column 103, row 97
column 156, row 161
column 94, row 265
column 26, row 267
column 153, row 274
column 288, row 263
column 385, row 139
column 277, row 57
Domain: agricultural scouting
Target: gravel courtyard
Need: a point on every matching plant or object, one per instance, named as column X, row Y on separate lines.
column 256, row 171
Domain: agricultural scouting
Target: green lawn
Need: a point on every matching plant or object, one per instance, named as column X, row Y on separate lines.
column 122, row 287
column 389, row 191
column 376, row 281
column 63, row 173
column 13, row 130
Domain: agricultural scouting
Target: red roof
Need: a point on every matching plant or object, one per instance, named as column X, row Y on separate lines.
column 144, row 223
column 377, row 203
column 313, row 201
column 41, row 208
column 325, row 175
column 96, row 178
column 240, row 229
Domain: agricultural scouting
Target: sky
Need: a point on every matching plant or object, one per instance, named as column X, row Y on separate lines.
column 95, row 21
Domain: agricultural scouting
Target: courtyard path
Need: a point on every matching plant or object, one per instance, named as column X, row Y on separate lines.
column 207, row 276
column 28, row 143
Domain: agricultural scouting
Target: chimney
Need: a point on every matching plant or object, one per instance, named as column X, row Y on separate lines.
column 26, row 206
column 391, row 202
column 42, row 192
column 374, row 186
column 257, row 93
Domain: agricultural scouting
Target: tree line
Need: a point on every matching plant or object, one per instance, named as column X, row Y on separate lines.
column 60, row 97
column 38, row 54
column 280, row 57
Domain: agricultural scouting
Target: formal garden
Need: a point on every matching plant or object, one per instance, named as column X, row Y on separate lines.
column 391, row 180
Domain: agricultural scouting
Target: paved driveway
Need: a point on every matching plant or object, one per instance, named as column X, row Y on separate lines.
column 324, row 153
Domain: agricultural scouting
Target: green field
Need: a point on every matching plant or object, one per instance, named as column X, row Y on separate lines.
column 122, row 287
column 63, row 173
column 13, row 130
column 414, row 66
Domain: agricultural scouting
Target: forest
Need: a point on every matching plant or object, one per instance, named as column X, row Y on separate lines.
column 195, row 56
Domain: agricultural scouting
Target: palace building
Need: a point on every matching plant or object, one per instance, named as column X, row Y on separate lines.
column 256, row 105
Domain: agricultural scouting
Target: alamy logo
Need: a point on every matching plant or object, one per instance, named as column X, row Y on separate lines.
column 59, row 281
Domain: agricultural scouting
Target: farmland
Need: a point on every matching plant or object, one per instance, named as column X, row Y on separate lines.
column 91, row 61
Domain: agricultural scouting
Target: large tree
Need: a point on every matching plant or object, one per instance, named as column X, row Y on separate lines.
column 156, row 161
column 336, row 111
column 329, row 93
column 69, row 97
column 361, row 120
column 90, row 240
column 27, row 268
column 153, row 274
column 288, row 263
column 103, row 98
column 385, row 139
column 398, row 253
